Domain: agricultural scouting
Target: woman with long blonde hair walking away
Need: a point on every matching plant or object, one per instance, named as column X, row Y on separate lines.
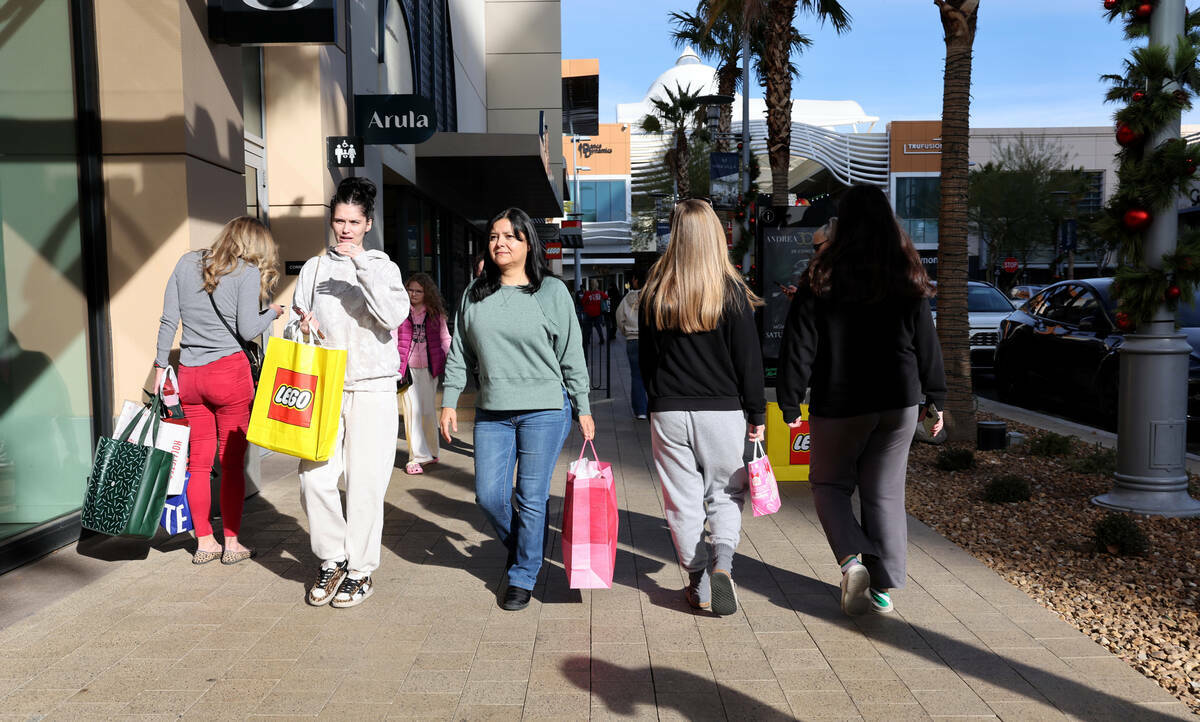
column 701, row 362
column 217, row 293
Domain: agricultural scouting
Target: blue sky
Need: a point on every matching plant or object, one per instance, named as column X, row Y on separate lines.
column 1037, row 62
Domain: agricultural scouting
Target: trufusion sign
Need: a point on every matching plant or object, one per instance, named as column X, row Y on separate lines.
column 267, row 22
column 394, row 119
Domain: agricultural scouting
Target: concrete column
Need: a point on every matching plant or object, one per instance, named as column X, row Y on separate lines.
column 1151, row 475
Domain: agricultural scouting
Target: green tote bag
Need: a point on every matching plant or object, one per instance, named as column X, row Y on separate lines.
column 128, row 484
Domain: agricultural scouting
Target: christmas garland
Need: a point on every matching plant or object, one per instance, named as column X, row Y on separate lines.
column 1151, row 177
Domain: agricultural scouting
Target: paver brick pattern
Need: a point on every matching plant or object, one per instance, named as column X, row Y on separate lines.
column 158, row 637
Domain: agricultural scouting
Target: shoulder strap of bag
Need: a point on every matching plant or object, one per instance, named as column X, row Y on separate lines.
column 229, row 328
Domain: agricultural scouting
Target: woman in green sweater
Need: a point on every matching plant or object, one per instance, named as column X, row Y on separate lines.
column 517, row 325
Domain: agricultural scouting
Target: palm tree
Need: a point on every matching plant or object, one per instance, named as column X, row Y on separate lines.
column 676, row 114
column 780, row 38
column 720, row 40
column 958, row 21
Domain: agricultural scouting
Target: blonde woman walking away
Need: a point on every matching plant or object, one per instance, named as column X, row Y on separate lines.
column 701, row 362
column 424, row 341
column 212, row 291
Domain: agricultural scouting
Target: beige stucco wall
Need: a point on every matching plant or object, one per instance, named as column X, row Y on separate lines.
column 173, row 157
column 523, row 42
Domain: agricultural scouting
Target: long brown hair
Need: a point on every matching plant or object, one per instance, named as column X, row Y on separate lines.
column 434, row 308
column 243, row 239
column 688, row 287
column 868, row 258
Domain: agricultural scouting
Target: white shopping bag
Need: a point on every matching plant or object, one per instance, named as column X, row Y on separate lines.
column 172, row 437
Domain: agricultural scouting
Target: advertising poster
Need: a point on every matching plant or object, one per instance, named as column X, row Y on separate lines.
column 786, row 253
column 723, row 179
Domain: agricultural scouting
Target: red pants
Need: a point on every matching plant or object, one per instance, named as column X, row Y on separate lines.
column 216, row 400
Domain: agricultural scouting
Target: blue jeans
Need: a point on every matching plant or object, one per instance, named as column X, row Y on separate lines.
column 590, row 324
column 527, row 443
column 637, row 390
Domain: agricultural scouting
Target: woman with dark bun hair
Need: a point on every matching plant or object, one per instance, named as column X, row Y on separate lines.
column 356, row 298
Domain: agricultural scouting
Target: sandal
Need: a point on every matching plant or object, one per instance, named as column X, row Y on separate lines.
column 413, row 467
column 203, row 557
column 228, row 557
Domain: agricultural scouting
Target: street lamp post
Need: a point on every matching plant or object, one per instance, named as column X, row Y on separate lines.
column 1151, row 477
column 576, row 206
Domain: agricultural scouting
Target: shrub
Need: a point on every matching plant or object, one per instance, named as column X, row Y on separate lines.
column 1007, row 488
column 1096, row 460
column 1050, row 444
column 955, row 459
column 1118, row 533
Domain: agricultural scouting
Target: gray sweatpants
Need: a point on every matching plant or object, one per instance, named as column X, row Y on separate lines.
column 698, row 457
column 868, row 453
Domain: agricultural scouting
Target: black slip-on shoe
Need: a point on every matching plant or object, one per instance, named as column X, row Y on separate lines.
column 516, row 598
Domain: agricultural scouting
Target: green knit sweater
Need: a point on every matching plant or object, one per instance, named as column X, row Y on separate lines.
column 528, row 348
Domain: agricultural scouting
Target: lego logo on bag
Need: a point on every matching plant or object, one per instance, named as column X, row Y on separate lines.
column 799, row 453
column 292, row 400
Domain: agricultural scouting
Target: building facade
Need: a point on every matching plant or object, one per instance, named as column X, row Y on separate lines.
column 131, row 136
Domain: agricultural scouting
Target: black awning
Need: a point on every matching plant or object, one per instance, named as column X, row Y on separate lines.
column 480, row 174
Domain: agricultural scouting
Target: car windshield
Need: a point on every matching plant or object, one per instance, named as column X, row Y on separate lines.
column 982, row 299
column 985, row 299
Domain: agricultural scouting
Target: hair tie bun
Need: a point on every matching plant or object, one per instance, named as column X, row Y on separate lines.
column 356, row 191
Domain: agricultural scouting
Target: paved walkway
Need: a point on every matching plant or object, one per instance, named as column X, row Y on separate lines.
column 147, row 634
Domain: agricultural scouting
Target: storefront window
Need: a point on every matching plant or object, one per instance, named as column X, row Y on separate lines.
column 602, row 200
column 45, row 405
column 918, row 200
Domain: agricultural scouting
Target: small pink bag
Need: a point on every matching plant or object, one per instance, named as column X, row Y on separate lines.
column 589, row 528
column 764, row 492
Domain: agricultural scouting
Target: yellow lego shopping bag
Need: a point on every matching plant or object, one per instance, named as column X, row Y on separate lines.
column 788, row 449
column 299, row 399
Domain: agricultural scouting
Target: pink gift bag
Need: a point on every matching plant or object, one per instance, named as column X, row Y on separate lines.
column 764, row 492
column 589, row 527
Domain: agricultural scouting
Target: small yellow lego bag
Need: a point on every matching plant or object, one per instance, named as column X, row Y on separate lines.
column 788, row 449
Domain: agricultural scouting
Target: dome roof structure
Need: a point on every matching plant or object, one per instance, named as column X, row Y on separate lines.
column 688, row 73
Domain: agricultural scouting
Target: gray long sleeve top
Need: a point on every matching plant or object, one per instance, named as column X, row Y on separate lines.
column 205, row 339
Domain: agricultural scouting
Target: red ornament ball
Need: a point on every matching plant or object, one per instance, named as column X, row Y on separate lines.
column 1137, row 219
column 1189, row 166
column 1127, row 136
column 1144, row 11
column 1138, row 96
column 1124, row 322
column 1110, row 4
column 1180, row 96
column 1173, row 293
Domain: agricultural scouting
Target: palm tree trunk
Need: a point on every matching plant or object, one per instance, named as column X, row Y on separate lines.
column 726, row 83
column 778, row 35
column 958, row 21
column 683, row 180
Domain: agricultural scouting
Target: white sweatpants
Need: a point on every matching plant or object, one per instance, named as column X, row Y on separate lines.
column 365, row 451
column 418, row 403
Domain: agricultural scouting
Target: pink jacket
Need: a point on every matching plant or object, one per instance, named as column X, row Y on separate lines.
column 437, row 343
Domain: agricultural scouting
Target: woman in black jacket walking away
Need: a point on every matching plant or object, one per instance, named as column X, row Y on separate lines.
column 860, row 334
column 701, row 362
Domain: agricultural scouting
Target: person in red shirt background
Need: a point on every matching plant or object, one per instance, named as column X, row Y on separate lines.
column 594, row 302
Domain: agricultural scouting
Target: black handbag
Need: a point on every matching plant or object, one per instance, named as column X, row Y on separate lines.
column 254, row 352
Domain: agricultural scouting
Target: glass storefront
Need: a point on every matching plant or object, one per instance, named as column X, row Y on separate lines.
column 918, row 200
column 45, row 398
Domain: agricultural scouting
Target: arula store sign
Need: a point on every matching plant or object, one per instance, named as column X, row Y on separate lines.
column 394, row 119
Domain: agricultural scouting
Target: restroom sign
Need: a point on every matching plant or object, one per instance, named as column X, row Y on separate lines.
column 344, row 151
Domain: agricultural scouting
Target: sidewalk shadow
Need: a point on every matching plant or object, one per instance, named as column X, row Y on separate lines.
column 423, row 541
column 684, row 691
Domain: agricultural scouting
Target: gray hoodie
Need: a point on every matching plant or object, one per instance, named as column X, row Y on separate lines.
column 358, row 304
